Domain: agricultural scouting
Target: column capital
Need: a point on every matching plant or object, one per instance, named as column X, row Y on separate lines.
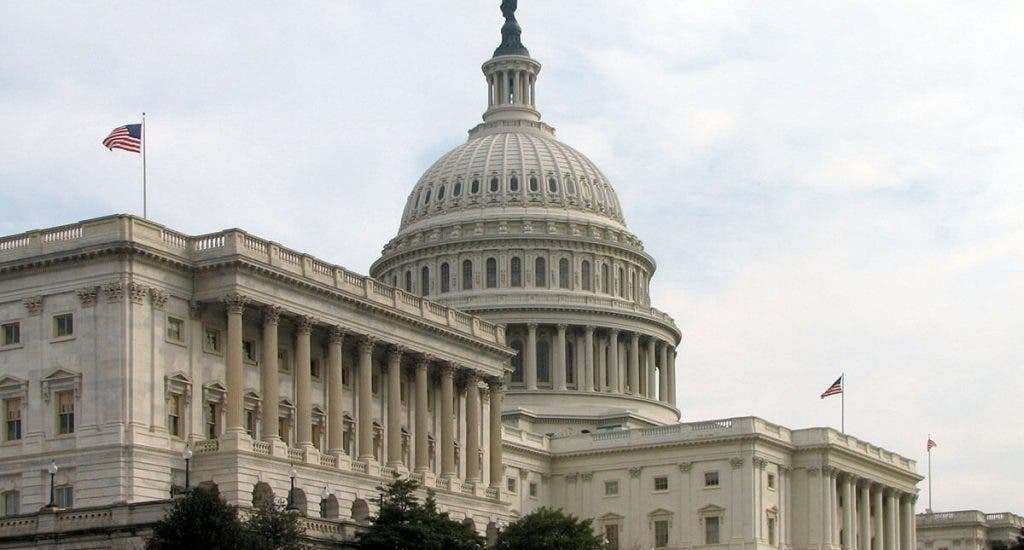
column 495, row 383
column 614, row 332
column 531, row 326
column 395, row 352
column 447, row 369
column 338, row 334
column 635, row 336
column 760, row 462
column 424, row 360
column 235, row 302
column 562, row 327
column 589, row 329
column 303, row 324
column 271, row 315
column 366, row 344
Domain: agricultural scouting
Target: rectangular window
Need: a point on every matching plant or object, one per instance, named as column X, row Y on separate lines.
column 211, row 340
column 250, row 423
column 404, row 391
column 771, row 481
column 711, row 479
column 661, row 533
column 249, row 351
column 12, row 419
column 65, row 412
column 64, row 496
column 510, row 484
column 212, row 421
column 176, row 330
column 374, row 383
column 771, row 531
column 611, row 488
column 661, row 483
column 533, row 490
column 63, row 325
column 283, row 361
column 174, row 415
column 317, row 436
column 611, row 534
column 11, row 503
column 346, row 376
column 283, row 428
column 10, row 334
column 711, row 530
column 314, row 368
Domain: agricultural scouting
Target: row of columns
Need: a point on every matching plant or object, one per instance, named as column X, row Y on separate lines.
column 269, row 380
column 597, row 362
column 852, row 526
column 511, row 86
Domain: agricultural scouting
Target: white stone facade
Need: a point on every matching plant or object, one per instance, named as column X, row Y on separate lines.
column 967, row 530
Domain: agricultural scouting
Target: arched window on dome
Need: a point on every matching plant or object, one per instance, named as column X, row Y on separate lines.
column 492, row 273
column 543, row 361
column 585, row 274
column 534, row 185
column 426, row 199
column 445, row 278
column 440, row 193
column 419, row 199
column 585, row 189
column 622, row 283
column 540, row 273
column 516, row 272
column 552, row 185
column 513, row 184
column 570, row 363
column 494, row 184
column 408, row 281
column 563, row 273
column 474, row 188
column 457, row 190
column 571, row 186
column 606, row 283
column 467, row 275
column 517, row 361
column 425, row 281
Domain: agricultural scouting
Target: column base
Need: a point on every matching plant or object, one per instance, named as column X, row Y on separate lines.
column 428, row 478
column 236, row 439
column 372, row 466
column 310, row 454
column 278, row 448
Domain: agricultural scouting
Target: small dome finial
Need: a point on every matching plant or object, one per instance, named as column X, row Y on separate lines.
column 510, row 32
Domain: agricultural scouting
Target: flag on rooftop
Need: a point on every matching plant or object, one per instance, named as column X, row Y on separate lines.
column 127, row 138
column 836, row 387
column 931, row 444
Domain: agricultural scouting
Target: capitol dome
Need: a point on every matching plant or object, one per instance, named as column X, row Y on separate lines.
column 527, row 232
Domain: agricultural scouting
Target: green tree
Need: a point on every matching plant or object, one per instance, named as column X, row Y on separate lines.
column 200, row 519
column 549, row 529
column 403, row 523
column 270, row 527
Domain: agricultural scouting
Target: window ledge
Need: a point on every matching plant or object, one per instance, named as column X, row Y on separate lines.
column 711, row 487
column 12, row 346
column 213, row 352
column 12, row 443
column 62, row 339
column 176, row 343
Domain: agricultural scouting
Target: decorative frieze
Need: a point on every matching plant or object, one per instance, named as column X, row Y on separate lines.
column 136, row 292
column 271, row 315
column 114, row 291
column 158, row 297
column 235, row 303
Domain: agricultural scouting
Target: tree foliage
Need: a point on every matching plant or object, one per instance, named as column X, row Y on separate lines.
column 549, row 529
column 201, row 519
column 403, row 523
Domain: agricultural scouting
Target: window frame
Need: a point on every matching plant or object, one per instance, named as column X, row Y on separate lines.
column 182, row 334
column 65, row 419
column 64, row 496
column 15, row 327
column 16, row 423
column 250, row 351
column 218, row 347
column 654, row 483
column 540, row 272
column 5, row 499
column 717, row 479
column 516, row 272
column 706, row 520
column 55, row 329
column 609, row 485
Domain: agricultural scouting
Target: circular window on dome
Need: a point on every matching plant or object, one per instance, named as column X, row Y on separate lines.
column 457, row 190
column 513, row 184
column 494, row 185
column 552, row 185
column 534, row 185
column 440, row 193
column 474, row 188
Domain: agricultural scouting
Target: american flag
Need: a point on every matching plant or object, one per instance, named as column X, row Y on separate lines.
column 127, row 138
column 836, row 387
column 931, row 444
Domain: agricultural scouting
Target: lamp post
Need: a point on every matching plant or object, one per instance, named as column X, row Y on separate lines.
column 53, row 475
column 323, row 501
column 187, row 455
column 291, row 498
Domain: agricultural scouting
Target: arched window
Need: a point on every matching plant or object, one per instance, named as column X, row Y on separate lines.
column 492, row 273
column 419, row 199
column 534, row 185
column 516, row 272
column 552, row 185
column 457, row 191
column 494, row 185
column 622, row 283
column 570, row 363
column 513, row 184
column 606, row 283
column 540, row 272
column 585, row 274
column 408, row 281
column 440, row 193
column 517, row 361
column 571, row 186
column 445, row 278
column 543, row 362
column 563, row 273
column 467, row 275
column 474, row 188
column 427, row 199
column 425, row 281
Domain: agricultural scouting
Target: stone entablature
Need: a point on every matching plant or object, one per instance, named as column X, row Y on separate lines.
column 118, row 232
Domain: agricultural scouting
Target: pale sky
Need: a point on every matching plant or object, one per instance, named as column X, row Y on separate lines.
column 828, row 187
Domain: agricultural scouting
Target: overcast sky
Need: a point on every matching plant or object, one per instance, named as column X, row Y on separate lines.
column 828, row 187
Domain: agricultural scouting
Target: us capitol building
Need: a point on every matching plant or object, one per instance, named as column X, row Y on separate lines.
column 504, row 352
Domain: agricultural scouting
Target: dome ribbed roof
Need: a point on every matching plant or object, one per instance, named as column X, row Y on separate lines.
column 512, row 169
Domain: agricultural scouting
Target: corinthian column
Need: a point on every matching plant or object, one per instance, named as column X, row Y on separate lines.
column 422, row 456
column 634, row 363
column 269, row 380
column 613, row 361
column 906, row 525
column 848, row 526
column 447, row 421
column 472, row 428
column 303, row 401
column 891, row 543
column 864, row 504
column 531, row 356
column 235, row 305
column 878, row 528
column 601, row 364
column 651, row 359
column 395, row 407
column 335, row 418
column 560, row 365
column 496, row 467
column 672, row 377
column 366, row 399
column 663, row 385
column 588, row 350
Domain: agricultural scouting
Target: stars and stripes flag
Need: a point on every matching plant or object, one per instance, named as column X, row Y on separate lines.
column 126, row 138
column 931, row 444
column 836, row 387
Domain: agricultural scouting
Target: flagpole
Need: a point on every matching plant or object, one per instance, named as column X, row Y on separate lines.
column 929, row 473
column 842, row 407
column 144, row 210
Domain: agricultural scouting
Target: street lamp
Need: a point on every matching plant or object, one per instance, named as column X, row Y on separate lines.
column 291, row 493
column 187, row 455
column 53, row 475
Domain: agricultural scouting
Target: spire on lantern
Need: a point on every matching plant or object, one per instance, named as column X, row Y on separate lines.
column 510, row 32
